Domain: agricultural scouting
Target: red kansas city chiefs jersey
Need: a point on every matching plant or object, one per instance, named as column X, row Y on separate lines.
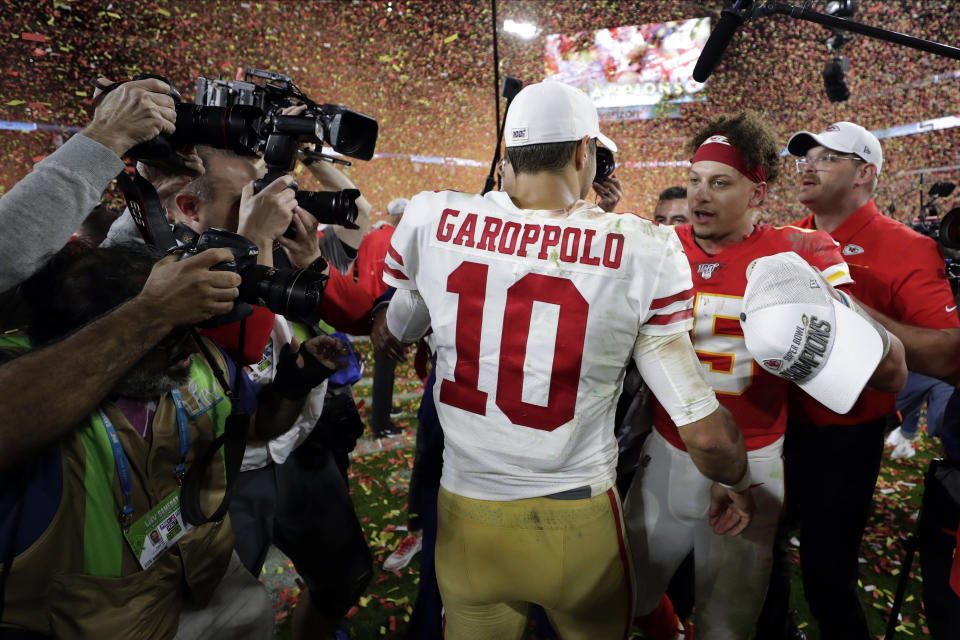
column 757, row 399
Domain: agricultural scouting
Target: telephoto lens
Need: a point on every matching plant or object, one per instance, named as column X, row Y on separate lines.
column 331, row 207
column 292, row 293
column 234, row 128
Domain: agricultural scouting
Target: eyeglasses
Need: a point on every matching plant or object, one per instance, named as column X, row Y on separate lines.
column 817, row 164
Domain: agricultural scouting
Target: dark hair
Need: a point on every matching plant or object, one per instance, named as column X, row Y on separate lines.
column 549, row 156
column 81, row 284
column 672, row 193
column 754, row 138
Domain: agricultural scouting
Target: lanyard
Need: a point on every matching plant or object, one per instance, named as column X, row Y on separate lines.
column 184, row 432
column 123, row 467
column 123, row 470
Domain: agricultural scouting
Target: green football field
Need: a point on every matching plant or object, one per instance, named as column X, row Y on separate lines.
column 380, row 471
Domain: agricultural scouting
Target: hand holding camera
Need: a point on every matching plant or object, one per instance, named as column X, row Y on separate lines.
column 303, row 249
column 609, row 193
column 132, row 113
column 186, row 292
column 266, row 215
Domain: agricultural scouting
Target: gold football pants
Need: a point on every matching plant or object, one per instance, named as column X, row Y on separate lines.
column 569, row 556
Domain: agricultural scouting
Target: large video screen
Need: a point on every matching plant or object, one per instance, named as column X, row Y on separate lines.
column 631, row 66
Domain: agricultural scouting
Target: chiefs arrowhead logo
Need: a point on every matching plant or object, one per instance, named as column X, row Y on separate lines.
column 773, row 363
column 718, row 139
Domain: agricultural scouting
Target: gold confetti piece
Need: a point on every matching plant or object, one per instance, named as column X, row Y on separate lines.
column 450, row 39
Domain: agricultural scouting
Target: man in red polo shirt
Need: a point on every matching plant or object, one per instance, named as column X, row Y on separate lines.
column 899, row 274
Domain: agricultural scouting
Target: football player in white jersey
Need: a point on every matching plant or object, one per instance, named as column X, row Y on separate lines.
column 537, row 300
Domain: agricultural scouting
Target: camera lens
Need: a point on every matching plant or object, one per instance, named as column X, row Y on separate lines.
column 331, row 207
column 221, row 127
column 605, row 164
column 349, row 132
column 294, row 293
column 950, row 229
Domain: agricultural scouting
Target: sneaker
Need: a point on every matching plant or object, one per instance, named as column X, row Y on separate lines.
column 387, row 432
column 896, row 437
column 903, row 450
column 902, row 445
column 409, row 547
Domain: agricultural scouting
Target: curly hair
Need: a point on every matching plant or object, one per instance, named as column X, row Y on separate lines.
column 754, row 138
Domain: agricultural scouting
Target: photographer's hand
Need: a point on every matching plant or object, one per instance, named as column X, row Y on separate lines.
column 332, row 179
column 609, row 193
column 185, row 292
column 300, row 368
column 133, row 113
column 265, row 216
column 304, row 248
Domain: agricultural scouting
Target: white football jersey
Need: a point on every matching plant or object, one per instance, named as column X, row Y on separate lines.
column 535, row 316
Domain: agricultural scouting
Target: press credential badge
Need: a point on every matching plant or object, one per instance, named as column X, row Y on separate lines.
column 157, row 531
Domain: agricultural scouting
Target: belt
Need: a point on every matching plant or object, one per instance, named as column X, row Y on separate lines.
column 579, row 493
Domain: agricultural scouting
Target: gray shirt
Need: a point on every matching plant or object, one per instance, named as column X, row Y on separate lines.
column 40, row 213
column 123, row 229
column 336, row 252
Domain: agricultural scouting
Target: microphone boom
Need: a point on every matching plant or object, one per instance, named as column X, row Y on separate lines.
column 730, row 19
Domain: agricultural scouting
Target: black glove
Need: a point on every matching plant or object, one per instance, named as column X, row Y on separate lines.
column 293, row 382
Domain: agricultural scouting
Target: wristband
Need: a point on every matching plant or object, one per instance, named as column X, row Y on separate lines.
column 742, row 485
column 293, row 382
column 319, row 265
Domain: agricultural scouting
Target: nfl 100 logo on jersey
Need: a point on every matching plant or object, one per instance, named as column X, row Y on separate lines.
column 705, row 269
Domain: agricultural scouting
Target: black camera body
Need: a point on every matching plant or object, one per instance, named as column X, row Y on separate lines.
column 292, row 293
column 245, row 117
column 605, row 165
column 945, row 230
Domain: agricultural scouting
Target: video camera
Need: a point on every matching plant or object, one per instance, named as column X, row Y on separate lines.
column 245, row 117
column 945, row 230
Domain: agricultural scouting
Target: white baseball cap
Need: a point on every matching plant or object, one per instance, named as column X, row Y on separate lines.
column 552, row 112
column 844, row 137
column 795, row 329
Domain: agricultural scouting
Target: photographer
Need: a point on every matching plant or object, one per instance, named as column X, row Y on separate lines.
column 74, row 518
column 176, row 294
column 290, row 492
column 42, row 211
column 339, row 244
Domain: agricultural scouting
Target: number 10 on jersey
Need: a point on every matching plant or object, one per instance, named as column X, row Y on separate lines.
column 469, row 282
